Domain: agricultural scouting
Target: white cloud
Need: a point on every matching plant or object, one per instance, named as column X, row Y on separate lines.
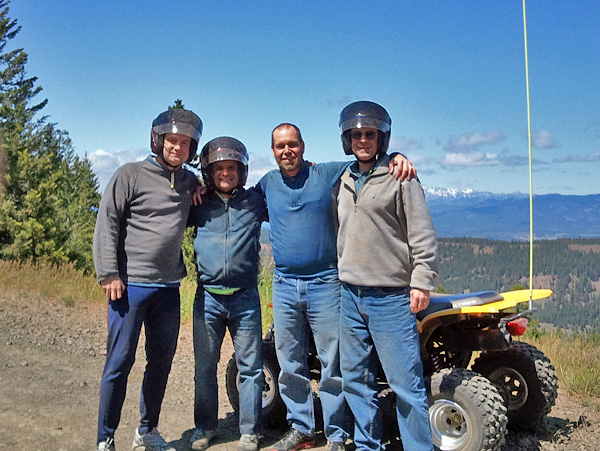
column 462, row 160
column 542, row 140
column 471, row 142
column 417, row 158
column 104, row 164
column 580, row 158
column 258, row 166
column 403, row 145
column 512, row 160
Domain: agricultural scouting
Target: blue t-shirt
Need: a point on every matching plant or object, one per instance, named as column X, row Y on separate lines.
column 301, row 215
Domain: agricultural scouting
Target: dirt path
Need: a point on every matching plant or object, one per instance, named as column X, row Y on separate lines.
column 51, row 357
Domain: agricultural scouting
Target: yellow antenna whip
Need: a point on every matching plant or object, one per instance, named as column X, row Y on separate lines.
column 530, row 163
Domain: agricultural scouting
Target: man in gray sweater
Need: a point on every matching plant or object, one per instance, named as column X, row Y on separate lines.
column 137, row 256
column 387, row 260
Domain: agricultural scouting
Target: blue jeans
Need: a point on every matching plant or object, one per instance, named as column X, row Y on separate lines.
column 213, row 314
column 158, row 310
column 377, row 322
column 299, row 307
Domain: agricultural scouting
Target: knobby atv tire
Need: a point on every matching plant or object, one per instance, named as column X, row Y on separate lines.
column 274, row 410
column 526, row 380
column 466, row 412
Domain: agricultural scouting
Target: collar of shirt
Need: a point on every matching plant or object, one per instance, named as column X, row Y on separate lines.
column 359, row 179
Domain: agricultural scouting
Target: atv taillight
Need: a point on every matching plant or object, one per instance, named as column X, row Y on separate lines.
column 517, row 327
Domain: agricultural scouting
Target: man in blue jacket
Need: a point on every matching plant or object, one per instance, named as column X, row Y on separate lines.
column 227, row 259
column 306, row 288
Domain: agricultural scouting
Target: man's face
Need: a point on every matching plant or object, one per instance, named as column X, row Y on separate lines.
column 288, row 150
column 176, row 148
column 225, row 175
column 364, row 143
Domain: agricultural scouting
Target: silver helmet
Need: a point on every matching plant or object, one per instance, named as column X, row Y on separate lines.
column 224, row 148
column 365, row 114
column 179, row 121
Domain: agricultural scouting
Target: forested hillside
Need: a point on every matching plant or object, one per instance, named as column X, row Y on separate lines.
column 569, row 267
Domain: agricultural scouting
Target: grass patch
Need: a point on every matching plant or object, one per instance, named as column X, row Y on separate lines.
column 265, row 290
column 68, row 301
column 69, row 286
column 576, row 359
column 49, row 281
column 187, row 294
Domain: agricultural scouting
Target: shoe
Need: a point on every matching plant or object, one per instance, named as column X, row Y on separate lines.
column 248, row 442
column 108, row 445
column 150, row 441
column 336, row 446
column 200, row 439
column 293, row 441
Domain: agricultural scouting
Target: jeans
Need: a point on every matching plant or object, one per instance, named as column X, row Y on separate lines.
column 377, row 322
column 213, row 314
column 299, row 307
column 158, row 310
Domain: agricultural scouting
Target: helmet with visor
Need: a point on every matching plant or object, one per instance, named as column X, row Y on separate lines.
column 365, row 114
column 224, row 148
column 177, row 121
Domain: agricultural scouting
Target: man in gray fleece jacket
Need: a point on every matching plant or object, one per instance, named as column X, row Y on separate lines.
column 387, row 259
column 137, row 256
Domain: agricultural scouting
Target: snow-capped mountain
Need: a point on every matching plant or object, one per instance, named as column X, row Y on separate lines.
column 469, row 213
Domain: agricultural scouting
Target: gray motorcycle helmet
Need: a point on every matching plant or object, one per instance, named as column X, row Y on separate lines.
column 365, row 114
column 179, row 121
column 223, row 148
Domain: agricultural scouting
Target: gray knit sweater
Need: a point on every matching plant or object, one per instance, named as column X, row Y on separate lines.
column 141, row 220
column 386, row 236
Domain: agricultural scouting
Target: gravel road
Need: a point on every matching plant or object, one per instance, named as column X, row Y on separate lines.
column 51, row 357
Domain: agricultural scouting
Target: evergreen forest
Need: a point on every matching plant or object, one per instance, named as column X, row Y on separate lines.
column 46, row 192
column 569, row 267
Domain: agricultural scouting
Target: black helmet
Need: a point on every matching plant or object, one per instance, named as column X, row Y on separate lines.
column 224, row 149
column 365, row 114
column 179, row 121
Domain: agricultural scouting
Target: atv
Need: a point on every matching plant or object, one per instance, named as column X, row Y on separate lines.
column 510, row 383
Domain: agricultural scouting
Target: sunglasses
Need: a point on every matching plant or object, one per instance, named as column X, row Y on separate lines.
column 358, row 135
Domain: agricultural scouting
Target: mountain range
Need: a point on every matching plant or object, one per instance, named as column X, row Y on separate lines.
column 468, row 213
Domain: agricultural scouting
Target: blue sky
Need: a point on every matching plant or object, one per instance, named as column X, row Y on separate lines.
column 450, row 73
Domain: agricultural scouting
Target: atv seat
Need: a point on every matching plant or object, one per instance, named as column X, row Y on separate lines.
column 440, row 302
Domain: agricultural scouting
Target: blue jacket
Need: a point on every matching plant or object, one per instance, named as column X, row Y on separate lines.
column 301, row 215
column 227, row 242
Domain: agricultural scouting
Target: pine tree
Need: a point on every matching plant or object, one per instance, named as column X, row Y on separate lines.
column 47, row 190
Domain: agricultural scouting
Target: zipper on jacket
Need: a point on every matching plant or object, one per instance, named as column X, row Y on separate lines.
column 227, row 222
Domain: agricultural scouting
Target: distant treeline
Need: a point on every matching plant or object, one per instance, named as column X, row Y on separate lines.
column 569, row 267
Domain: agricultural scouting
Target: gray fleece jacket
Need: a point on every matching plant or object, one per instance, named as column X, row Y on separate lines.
column 386, row 236
column 140, row 224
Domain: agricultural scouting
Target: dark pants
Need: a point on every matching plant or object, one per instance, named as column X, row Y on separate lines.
column 158, row 310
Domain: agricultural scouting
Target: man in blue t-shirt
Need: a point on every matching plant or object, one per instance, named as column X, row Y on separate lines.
column 306, row 288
